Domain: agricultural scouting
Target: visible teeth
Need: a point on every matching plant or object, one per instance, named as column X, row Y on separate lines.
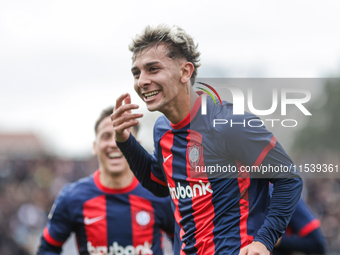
column 115, row 155
column 151, row 94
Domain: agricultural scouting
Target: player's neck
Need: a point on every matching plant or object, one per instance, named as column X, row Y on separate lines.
column 116, row 181
column 183, row 108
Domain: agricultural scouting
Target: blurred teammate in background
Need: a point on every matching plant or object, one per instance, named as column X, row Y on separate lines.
column 303, row 233
column 109, row 211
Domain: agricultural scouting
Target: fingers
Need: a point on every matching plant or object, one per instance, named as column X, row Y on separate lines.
column 122, row 118
column 243, row 251
column 123, row 121
column 123, row 110
column 120, row 109
column 120, row 100
column 125, row 126
column 127, row 100
column 255, row 248
column 122, row 113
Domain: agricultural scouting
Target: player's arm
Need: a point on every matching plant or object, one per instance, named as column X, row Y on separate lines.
column 255, row 146
column 313, row 243
column 58, row 228
column 46, row 248
column 168, row 219
column 307, row 236
column 143, row 164
column 282, row 205
column 285, row 197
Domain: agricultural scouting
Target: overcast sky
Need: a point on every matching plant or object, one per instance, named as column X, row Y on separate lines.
column 62, row 62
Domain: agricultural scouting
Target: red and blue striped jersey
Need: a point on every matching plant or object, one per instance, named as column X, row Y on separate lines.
column 303, row 233
column 303, row 221
column 111, row 221
column 218, row 214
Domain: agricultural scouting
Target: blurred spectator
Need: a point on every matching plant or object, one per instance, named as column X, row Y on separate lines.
column 27, row 191
column 323, row 198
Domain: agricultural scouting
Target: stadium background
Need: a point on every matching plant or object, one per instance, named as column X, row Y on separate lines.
column 62, row 62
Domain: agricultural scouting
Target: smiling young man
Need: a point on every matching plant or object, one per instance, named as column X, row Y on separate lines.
column 216, row 215
column 109, row 211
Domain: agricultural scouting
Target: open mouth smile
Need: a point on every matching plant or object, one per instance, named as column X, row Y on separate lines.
column 113, row 155
column 151, row 94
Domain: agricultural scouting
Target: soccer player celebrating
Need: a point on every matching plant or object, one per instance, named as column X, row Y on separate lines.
column 109, row 211
column 215, row 215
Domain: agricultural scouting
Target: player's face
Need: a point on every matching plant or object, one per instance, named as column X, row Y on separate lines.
column 110, row 158
column 157, row 79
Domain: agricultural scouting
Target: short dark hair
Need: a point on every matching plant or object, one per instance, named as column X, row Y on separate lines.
column 179, row 44
column 107, row 113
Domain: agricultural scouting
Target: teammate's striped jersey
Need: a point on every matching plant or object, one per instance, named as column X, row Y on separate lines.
column 112, row 221
column 303, row 233
column 303, row 221
column 218, row 215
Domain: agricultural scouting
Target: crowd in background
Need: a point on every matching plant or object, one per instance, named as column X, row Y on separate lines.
column 28, row 188
column 322, row 195
column 27, row 191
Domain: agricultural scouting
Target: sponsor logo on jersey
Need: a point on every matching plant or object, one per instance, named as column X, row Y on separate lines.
column 116, row 249
column 198, row 189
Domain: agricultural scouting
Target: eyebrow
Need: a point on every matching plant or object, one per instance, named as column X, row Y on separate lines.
column 146, row 65
column 105, row 133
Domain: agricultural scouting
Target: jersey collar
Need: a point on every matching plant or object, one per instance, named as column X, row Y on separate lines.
column 190, row 116
column 108, row 190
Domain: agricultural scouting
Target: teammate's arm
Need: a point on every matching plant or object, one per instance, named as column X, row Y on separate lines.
column 141, row 162
column 313, row 243
column 306, row 235
column 59, row 226
column 168, row 219
column 47, row 249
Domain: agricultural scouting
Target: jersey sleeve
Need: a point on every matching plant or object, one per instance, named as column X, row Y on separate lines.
column 303, row 220
column 59, row 226
column 256, row 146
column 306, row 235
column 168, row 219
column 145, row 166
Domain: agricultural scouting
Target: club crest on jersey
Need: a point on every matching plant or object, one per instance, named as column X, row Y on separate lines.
column 143, row 218
column 194, row 154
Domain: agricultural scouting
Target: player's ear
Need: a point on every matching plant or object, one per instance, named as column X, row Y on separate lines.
column 94, row 149
column 186, row 72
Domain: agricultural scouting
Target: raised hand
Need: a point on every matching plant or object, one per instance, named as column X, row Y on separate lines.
column 123, row 119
